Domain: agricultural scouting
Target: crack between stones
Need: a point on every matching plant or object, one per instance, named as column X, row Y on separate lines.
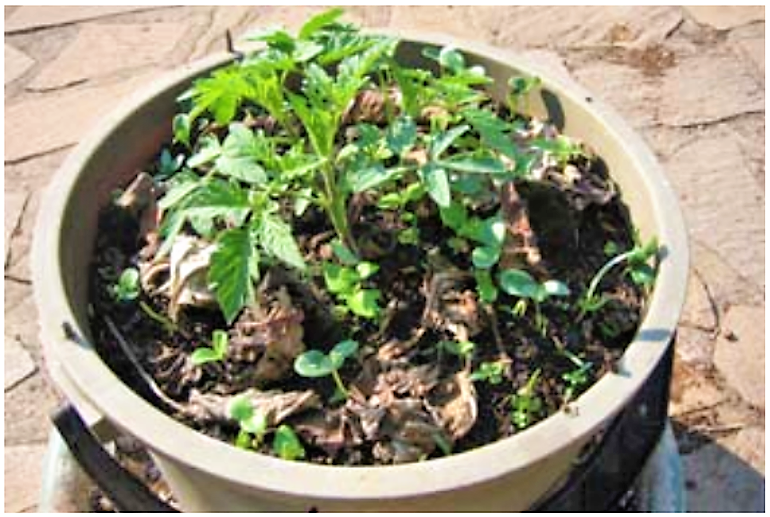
column 704, row 124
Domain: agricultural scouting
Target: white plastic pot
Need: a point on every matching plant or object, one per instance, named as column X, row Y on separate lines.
column 209, row 475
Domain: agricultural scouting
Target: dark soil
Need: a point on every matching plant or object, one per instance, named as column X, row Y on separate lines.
column 571, row 238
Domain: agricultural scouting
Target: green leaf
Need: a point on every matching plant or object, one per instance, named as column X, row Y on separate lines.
column 128, row 287
column 256, row 423
column 555, row 288
column 642, row 274
column 459, row 348
column 474, row 165
column 517, row 282
column 240, row 154
column 219, row 342
column 342, row 351
column 366, row 269
column 484, row 257
column 276, row 239
column 363, row 302
column 230, row 272
column 400, row 135
column 181, row 185
column 240, row 408
column 181, row 128
column 204, row 355
column 286, row 444
column 454, row 216
column 338, row 279
column 217, row 199
column 442, row 141
column 494, row 132
column 347, row 257
column 436, row 183
column 209, row 150
column 320, row 21
column 451, row 58
column 485, row 286
column 313, row 363
column 220, row 94
column 371, row 177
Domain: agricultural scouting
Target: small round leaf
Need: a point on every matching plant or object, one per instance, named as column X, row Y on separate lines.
column 484, row 257
column 313, row 363
column 555, row 288
column 518, row 283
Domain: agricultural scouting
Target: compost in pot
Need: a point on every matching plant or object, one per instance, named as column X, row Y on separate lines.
column 345, row 260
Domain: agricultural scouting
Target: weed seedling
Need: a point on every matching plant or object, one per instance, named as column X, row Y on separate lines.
column 641, row 273
column 462, row 349
column 217, row 352
column 128, row 288
column 345, row 282
column 526, row 404
column 314, row 363
column 519, row 283
column 252, row 424
column 491, row 372
column 286, row 444
column 577, row 378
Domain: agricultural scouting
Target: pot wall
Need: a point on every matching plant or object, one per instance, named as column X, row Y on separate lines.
column 208, row 475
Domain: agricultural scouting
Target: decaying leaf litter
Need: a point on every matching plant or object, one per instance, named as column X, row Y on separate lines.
column 343, row 260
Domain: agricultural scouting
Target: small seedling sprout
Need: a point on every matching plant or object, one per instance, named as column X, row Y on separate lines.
column 519, row 283
column 640, row 271
column 128, row 287
column 217, row 352
column 314, row 363
column 526, row 403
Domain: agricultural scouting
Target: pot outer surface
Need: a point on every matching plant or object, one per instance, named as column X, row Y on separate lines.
column 208, row 475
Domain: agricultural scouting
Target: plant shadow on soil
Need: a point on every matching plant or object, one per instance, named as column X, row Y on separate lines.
column 717, row 480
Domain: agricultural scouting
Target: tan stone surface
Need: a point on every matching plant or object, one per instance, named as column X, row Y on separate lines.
column 18, row 364
column 14, row 206
column 722, row 202
column 749, row 42
column 34, row 16
column 707, row 87
column 28, row 407
column 68, row 116
column 726, row 17
column 740, row 352
column 109, row 48
column 23, row 475
column 16, row 63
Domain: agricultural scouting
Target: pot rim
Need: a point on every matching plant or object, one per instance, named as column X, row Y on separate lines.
column 94, row 380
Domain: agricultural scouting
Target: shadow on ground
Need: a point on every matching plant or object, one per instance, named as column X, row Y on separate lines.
column 715, row 478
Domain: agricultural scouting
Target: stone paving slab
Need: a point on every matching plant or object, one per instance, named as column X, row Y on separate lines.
column 67, row 117
column 18, row 364
column 15, row 201
column 724, row 17
column 103, row 49
column 23, row 474
column 16, row 63
column 740, row 352
column 27, row 18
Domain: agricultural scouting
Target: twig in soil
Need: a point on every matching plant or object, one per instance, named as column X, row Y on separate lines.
column 146, row 377
column 492, row 315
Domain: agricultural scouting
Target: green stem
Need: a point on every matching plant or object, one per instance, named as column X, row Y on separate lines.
column 167, row 324
column 598, row 277
column 340, row 385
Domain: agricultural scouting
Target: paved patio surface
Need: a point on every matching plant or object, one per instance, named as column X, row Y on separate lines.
column 690, row 80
